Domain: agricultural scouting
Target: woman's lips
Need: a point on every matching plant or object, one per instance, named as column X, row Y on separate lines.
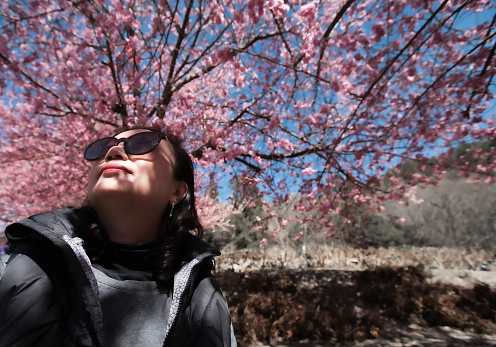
column 114, row 168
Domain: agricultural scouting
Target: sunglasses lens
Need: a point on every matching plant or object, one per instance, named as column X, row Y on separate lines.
column 142, row 143
column 99, row 148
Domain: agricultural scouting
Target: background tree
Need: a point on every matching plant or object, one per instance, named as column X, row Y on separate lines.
column 315, row 98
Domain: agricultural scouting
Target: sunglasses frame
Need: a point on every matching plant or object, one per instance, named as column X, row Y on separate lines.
column 117, row 141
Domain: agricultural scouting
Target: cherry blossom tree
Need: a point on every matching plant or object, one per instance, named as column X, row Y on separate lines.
column 315, row 99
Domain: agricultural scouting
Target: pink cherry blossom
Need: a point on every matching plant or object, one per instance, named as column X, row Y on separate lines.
column 308, row 171
column 309, row 104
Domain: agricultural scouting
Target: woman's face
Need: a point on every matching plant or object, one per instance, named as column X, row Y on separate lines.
column 146, row 179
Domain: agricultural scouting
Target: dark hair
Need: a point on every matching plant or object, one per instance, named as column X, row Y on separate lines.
column 175, row 228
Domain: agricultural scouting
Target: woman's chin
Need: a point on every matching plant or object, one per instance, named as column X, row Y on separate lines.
column 105, row 192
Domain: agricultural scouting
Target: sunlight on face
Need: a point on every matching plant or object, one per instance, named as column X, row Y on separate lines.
column 145, row 179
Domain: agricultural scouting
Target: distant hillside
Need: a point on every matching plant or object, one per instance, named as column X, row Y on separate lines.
column 455, row 213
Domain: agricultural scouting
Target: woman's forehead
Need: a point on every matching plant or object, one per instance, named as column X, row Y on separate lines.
column 128, row 133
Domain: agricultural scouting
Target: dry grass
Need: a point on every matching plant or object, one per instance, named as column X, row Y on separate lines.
column 282, row 296
column 349, row 258
column 281, row 307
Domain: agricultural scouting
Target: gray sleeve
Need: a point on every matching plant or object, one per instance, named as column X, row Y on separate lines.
column 30, row 312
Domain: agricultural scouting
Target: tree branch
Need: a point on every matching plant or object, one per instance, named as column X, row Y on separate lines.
column 168, row 90
column 119, row 107
column 329, row 29
column 14, row 69
column 488, row 63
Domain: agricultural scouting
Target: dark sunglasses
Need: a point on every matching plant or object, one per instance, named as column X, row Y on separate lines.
column 140, row 143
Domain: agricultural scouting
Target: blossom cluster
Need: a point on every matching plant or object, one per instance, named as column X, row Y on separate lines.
column 313, row 99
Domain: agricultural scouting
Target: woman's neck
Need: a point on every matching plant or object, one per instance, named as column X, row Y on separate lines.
column 129, row 227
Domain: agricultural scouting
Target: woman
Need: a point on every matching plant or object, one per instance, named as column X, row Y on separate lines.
column 126, row 270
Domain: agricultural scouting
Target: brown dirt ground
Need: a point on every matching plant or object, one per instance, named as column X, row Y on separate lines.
column 380, row 307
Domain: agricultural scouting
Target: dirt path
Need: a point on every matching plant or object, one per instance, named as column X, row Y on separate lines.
column 463, row 278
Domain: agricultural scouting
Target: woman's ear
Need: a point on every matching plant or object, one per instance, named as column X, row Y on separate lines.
column 180, row 192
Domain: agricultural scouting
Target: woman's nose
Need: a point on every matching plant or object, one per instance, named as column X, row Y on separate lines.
column 116, row 152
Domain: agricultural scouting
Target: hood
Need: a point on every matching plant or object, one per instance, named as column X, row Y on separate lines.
column 198, row 249
column 53, row 225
